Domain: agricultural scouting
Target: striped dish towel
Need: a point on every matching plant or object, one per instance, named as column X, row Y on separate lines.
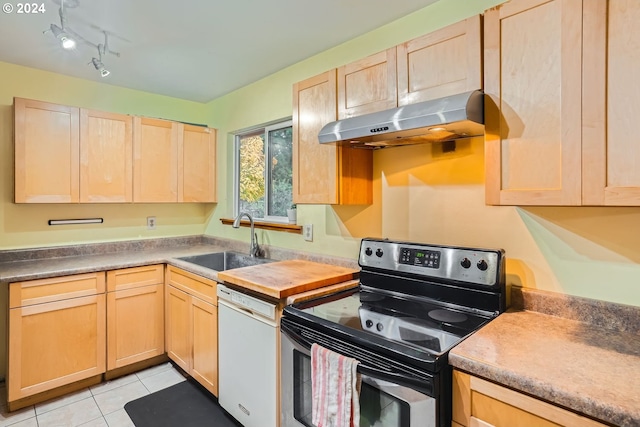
column 335, row 389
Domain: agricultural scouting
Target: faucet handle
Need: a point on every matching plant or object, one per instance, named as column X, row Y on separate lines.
column 257, row 251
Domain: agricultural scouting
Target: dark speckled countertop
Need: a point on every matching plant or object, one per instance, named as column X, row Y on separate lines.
column 577, row 353
column 30, row 269
column 30, row 264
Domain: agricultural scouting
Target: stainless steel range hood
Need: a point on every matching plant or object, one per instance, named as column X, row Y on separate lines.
column 444, row 119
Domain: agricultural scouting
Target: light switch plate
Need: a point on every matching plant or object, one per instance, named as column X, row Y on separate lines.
column 307, row 232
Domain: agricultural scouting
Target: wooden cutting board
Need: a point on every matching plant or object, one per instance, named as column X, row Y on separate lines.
column 281, row 279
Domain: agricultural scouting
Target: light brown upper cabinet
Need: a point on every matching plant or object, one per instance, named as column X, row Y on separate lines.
column 326, row 174
column 611, row 103
column 196, row 164
column 155, row 160
column 562, row 99
column 368, row 85
column 46, row 152
column 173, row 162
column 105, row 157
column 444, row 62
column 74, row 155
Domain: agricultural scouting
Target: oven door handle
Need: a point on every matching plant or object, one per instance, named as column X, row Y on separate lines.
column 407, row 380
column 396, row 378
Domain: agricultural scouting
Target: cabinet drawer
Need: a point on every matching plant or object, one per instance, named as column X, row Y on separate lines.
column 203, row 288
column 128, row 278
column 55, row 289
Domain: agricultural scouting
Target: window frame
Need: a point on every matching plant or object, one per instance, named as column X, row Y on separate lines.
column 258, row 130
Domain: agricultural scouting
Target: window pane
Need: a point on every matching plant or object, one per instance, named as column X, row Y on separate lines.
column 280, row 179
column 252, row 175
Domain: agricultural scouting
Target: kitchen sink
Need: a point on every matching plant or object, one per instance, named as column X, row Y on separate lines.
column 226, row 260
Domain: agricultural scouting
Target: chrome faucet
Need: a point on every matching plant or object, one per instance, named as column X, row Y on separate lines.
column 254, row 248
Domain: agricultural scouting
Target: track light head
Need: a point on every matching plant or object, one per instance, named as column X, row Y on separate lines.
column 66, row 41
column 97, row 63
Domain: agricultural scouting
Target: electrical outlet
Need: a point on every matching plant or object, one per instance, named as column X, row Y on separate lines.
column 151, row 223
column 307, row 232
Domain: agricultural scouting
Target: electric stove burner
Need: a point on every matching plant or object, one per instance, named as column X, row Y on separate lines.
column 447, row 316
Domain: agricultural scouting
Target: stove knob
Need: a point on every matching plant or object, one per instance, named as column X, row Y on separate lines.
column 369, row 323
column 368, row 251
column 379, row 253
column 379, row 327
column 482, row 265
column 465, row 263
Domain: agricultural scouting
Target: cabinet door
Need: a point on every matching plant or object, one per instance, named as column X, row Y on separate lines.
column 196, row 164
column 444, row 62
column 54, row 344
column 611, row 104
column 324, row 173
column 204, row 317
column 155, row 167
column 368, row 85
column 178, row 327
column 477, row 402
column 46, row 152
column 135, row 325
column 533, row 127
column 106, row 155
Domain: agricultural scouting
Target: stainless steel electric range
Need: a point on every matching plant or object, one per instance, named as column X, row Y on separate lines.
column 414, row 303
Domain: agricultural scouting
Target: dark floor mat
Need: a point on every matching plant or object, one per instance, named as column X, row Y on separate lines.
column 185, row 405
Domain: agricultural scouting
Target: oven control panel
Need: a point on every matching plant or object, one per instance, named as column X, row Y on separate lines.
column 472, row 265
column 420, row 257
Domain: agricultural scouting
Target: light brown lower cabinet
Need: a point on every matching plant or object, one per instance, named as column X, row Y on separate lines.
column 191, row 325
column 481, row 403
column 66, row 332
column 135, row 315
column 56, row 333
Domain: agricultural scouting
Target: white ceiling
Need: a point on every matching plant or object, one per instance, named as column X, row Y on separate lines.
column 191, row 49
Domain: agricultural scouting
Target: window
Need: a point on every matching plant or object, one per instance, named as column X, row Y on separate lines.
column 263, row 176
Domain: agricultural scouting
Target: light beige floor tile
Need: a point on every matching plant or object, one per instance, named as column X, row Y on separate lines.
column 162, row 380
column 31, row 422
column 98, row 422
column 119, row 419
column 110, row 385
column 115, row 399
column 154, row 370
column 59, row 402
column 74, row 414
column 10, row 418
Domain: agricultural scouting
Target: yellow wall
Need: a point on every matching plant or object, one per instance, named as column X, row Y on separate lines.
column 25, row 225
column 421, row 194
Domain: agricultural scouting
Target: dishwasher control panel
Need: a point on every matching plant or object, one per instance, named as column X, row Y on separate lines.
column 247, row 302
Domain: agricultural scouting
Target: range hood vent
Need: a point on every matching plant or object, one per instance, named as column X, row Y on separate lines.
column 445, row 119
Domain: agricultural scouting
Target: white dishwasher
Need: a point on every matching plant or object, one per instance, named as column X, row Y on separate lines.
column 248, row 368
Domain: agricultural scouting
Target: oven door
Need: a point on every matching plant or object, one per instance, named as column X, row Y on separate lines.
column 384, row 402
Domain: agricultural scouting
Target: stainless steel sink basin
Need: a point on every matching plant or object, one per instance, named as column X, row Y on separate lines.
column 226, row 260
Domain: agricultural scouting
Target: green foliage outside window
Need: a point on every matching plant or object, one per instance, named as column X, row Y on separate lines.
column 255, row 182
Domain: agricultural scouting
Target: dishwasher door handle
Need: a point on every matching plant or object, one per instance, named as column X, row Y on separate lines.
column 248, row 312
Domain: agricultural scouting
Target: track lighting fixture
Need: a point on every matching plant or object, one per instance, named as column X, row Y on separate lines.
column 66, row 40
column 69, row 39
column 103, row 49
column 100, row 67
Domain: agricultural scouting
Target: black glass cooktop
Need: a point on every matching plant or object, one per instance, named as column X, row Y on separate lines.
column 428, row 326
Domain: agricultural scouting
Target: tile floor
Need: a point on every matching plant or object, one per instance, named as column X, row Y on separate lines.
column 101, row 405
